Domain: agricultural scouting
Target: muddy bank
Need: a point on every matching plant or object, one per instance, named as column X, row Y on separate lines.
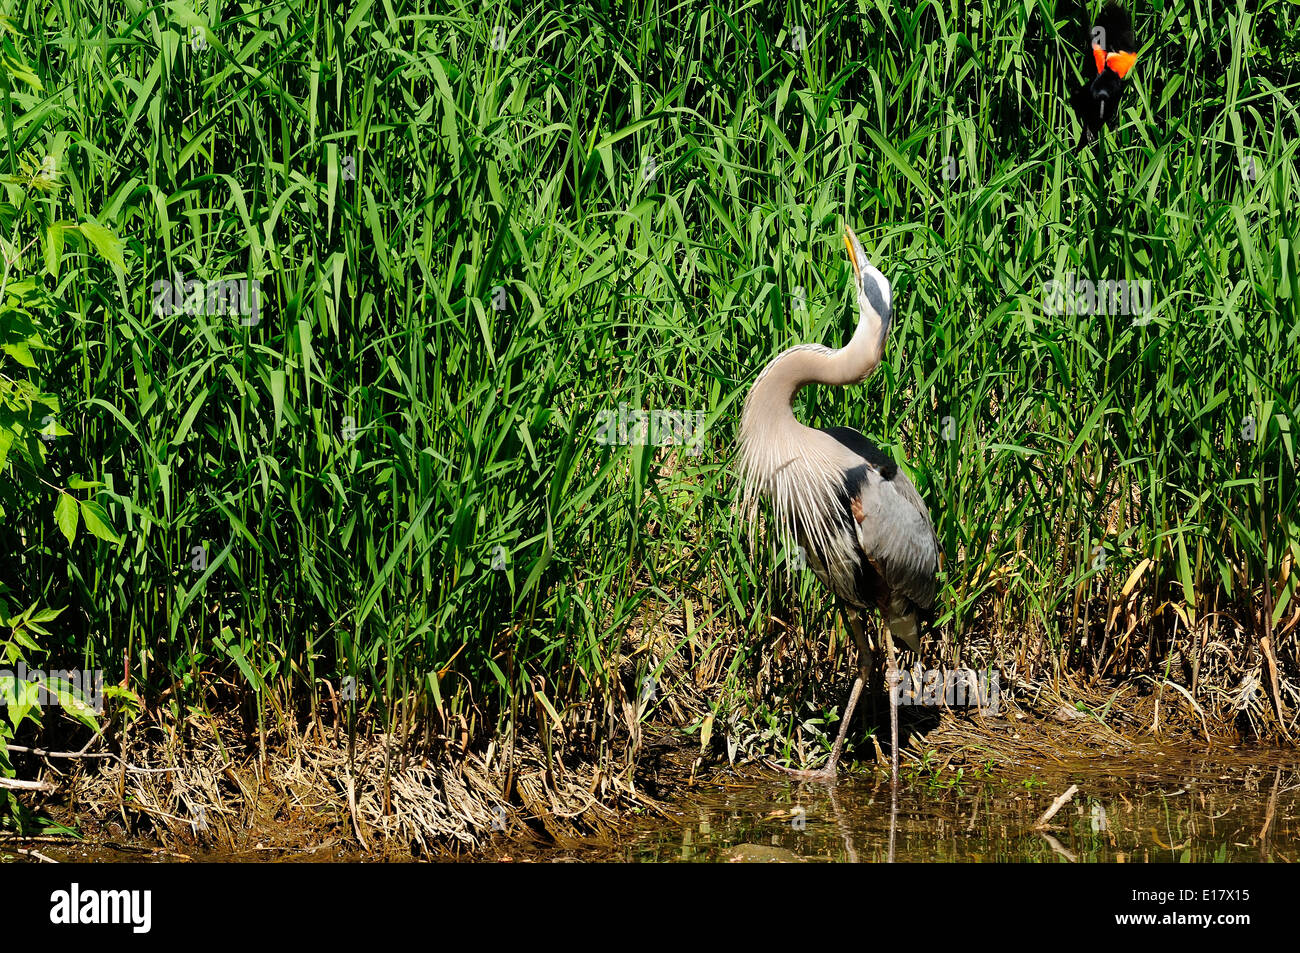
column 307, row 801
column 165, row 801
column 1152, row 803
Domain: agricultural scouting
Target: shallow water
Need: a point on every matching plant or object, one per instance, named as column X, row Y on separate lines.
column 1173, row 806
column 1177, row 807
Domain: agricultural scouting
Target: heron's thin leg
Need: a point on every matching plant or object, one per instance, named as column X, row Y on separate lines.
column 864, row 647
column 844, row 725
column 860, row 637
column 892, row 680
column 827, row 771
column 893, row 819
column 876, row 686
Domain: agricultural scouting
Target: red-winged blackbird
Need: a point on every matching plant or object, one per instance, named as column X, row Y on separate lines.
column 1112, row 51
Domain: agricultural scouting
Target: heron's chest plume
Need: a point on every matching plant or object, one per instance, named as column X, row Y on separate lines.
column 799, row 472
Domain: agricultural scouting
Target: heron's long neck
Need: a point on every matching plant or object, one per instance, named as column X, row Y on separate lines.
column 770, row 398
column 796, row 468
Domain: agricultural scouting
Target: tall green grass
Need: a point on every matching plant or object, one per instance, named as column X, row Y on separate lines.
column 475, row 228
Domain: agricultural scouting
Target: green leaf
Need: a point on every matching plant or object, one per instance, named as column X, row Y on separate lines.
column 45, row 615
column 21, row 697
column 21, row 638
column 97, row 521
column 53, row 248
column 106, row 243
column 21, row 353
column 237, row 653
column 72, row 702
column 1185, row 572
column 66, row 515
column 277, row 396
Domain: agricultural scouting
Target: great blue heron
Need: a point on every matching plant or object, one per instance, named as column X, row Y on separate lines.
column 864, row 529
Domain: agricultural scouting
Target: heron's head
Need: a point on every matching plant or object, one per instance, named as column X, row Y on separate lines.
column 872, row 288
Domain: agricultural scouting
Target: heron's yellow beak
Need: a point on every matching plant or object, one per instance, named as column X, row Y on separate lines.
column 849, row 241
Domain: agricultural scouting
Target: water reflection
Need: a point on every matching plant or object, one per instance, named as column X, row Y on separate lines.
column 1172, row 808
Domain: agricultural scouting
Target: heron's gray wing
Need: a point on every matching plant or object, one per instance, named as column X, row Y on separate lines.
column 896, row 534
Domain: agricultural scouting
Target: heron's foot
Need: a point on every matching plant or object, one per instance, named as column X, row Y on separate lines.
column 824, row 775
column 856, row 507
